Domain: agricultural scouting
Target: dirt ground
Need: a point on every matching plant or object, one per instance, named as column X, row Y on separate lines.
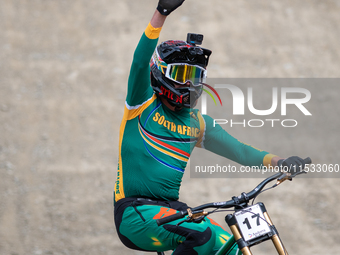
column 63, row 72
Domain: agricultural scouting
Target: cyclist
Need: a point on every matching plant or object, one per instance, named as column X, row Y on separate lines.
column 158, row 132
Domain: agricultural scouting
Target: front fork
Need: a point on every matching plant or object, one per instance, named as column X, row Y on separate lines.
column 281, row 250
column 245, row 246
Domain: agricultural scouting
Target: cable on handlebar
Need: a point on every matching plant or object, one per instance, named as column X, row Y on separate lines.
column 252, row 203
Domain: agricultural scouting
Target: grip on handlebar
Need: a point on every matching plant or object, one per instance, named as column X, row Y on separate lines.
column 307, row 161
column 172, row 217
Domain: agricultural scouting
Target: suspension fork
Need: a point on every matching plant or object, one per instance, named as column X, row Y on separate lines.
column 275, row 238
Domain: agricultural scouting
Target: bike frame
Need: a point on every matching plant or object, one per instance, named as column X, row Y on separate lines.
column 227, row 247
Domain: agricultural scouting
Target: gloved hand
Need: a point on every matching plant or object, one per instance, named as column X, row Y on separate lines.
column 292, row 164
column 165, row 7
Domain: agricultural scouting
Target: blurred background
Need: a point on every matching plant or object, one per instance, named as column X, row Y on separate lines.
column 64, row 67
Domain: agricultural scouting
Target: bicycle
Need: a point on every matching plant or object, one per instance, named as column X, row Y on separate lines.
column 250, row 224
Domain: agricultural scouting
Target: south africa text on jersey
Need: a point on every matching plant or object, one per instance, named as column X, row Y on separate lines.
column 181, row 129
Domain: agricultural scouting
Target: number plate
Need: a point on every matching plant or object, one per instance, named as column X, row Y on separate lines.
column 251, row 222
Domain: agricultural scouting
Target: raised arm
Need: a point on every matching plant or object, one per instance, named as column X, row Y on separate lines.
column 139, row 90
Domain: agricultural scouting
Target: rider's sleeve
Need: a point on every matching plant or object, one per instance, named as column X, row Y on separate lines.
column 139, row 89
column 219, row 141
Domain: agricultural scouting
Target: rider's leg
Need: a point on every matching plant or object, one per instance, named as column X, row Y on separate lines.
column 138, row 229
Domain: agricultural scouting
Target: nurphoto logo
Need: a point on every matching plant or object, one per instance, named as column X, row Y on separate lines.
column 295, row 96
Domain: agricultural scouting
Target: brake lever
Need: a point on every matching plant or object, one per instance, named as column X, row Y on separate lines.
column 287, row 176
column 196, row 216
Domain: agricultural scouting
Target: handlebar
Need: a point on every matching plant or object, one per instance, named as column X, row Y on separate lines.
column 235, row 201
column 172, row 217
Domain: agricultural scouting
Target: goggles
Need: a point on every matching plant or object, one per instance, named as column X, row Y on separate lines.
column 183, row 73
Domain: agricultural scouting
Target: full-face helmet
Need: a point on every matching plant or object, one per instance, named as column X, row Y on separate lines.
column 182, row 63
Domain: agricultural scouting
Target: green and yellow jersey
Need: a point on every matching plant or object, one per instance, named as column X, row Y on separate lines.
column 155, row 142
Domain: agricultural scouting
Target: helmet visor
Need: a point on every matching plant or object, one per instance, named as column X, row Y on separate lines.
column 183, row 73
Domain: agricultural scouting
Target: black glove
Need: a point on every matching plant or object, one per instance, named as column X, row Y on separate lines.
column 292, row 164
column 165, row 7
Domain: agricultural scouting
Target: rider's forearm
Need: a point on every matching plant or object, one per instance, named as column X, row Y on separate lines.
column 219, row 141
column 157, row 20
column 275, row 160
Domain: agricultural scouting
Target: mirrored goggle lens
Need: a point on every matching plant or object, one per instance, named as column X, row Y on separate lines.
column 184, row 73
